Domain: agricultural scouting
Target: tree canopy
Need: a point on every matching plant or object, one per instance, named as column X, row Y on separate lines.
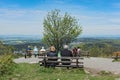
column 5, row 49
column 60, row 29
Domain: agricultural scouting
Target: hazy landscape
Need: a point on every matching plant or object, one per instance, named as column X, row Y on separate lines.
column 96, row 45
column 21, row 39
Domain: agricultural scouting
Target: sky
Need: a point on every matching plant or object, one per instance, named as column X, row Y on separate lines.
column 25, row 17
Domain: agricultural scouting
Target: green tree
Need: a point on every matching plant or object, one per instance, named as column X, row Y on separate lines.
column 5, row 49
column 60, row 29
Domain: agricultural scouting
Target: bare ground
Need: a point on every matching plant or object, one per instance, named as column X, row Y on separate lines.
column 92, row 65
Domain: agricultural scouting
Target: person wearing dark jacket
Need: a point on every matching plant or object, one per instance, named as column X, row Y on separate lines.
column 52, row 53
column 66, row 53
column 28, row 52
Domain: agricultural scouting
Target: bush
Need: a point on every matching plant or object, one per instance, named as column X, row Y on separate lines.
column 17, row 55
column 105, row 73
column 6, row 64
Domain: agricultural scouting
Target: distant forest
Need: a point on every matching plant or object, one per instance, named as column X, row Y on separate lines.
column 96, row 47
column 99, row 46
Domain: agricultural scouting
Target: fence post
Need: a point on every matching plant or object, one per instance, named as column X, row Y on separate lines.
column 77, row 62
column 116, row 58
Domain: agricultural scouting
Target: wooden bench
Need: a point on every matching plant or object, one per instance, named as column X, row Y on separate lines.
column 28, row 53
column 75, row 62
column 116, row 55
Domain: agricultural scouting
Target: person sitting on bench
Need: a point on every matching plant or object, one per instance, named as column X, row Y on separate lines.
column 28, row 51
column 66, row 53
column 51, row 53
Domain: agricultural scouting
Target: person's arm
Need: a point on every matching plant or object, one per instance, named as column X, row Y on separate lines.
column 71, row 55
column 47, row 54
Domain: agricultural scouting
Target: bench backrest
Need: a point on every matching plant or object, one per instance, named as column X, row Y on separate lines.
column 116, row 53
column 74, row 61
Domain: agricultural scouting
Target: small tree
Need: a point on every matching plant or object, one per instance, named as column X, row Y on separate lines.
column 60, row 30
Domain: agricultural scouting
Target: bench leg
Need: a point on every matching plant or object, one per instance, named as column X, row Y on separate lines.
column 25, row 56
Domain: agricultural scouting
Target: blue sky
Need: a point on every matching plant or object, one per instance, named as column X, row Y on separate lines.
column 25, row 17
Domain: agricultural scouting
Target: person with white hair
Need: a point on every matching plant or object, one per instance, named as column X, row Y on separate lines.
column 65, row 46
column 66, row 53
column 42, row 51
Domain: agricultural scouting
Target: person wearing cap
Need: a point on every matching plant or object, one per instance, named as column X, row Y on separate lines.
column 66, row 53
column 29, row 51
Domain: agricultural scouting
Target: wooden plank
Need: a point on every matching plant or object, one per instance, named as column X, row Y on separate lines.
column 75, row 66
column 59, row 61
column 71, row 65
column 115, row 56
column 62, row 62
column 61, row 57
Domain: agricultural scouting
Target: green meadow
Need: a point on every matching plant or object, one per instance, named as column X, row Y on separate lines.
column 25, row 71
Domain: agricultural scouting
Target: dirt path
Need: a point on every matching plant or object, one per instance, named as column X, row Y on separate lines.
column 93, row 63
column 102, row 64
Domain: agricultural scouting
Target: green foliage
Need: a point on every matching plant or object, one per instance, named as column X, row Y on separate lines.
column 6, row 64
column 17, row 55
column 4, row 49
column 25, row 71
column 23, row 47
column 59, row 30
column 105, row 73
column 46, row 70
column 102, row 78
column 99, row 47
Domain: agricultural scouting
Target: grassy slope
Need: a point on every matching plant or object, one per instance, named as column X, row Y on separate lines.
column 35, row 72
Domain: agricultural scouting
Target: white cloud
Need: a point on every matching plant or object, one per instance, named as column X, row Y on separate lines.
column 20, row 12
column 99, row 23
column 111, row 30
column 21, row 28
column 21, row 21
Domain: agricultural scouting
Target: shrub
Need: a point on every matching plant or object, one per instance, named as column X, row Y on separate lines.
column 105, row 73
column 6, row 64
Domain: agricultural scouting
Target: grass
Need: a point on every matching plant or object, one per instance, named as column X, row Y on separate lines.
column 26, row 71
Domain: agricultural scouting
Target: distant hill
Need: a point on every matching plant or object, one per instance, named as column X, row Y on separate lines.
column 19, row 37
column 22, row 39
column 101, row 36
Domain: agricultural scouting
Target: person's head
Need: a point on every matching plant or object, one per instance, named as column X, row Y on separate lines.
column 42, row 47
column 35, row 46
column 52, row 48
column 75, row 48
column 42, row 50
column 28, row 46
column 65, row 46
